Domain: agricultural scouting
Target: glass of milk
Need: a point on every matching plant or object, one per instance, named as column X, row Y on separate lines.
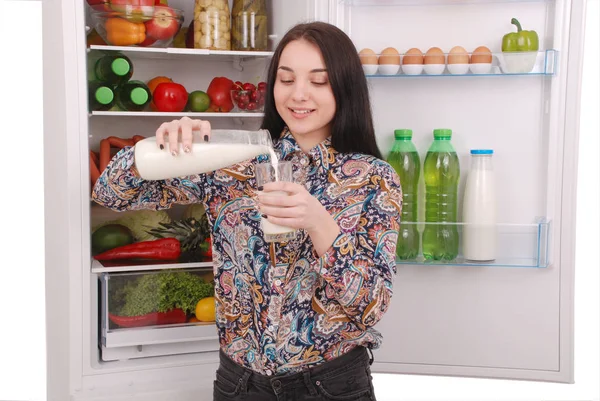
column 270, row 172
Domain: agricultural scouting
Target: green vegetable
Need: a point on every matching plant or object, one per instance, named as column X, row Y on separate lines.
column 195, row 210
column 110, row 236
column 163, row 291
column 520, row 41
column 142, row 221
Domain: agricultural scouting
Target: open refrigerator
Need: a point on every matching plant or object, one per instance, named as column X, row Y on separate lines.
column 510, row 319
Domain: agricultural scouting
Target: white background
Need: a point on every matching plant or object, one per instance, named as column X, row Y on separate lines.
column 22, row 318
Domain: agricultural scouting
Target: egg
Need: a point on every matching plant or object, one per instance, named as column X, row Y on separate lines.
column 367, row 56
column 389, row 55
column 435, row 55
column 481, row 55
column 458, row 55
column 413, row 56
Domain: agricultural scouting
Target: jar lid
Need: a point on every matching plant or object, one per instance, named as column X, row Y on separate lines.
column 482, row 152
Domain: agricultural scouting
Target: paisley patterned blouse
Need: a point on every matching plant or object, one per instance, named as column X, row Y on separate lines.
column 306, row 309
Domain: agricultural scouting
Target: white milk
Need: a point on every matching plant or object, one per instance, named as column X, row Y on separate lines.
column 275, row 232
column 479, row 210
column 153, row 163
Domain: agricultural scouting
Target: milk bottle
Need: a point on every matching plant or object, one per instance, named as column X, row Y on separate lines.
column 479, row 209
column 224, row 148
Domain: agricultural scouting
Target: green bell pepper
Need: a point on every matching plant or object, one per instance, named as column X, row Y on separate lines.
column 520, row 41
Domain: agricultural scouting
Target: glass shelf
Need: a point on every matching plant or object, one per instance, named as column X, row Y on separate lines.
column 120, row 266
column 517, row 245
column 387, row 3
column 175, row 52
column 542, row 63
column 175, row 115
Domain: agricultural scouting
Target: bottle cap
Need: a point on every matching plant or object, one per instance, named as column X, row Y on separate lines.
column 104, row 95
column 120, row 66
column 139, row 96
column 442, row 133
column 482, row 152
column 403, row 134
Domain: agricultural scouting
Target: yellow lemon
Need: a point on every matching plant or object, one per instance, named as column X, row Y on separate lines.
column 205, row 309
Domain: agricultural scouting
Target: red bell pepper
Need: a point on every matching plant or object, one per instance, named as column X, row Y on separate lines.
column 173, row 316
column 170, row 97
column 160, row 249
column 207, row 248
column 219, row 92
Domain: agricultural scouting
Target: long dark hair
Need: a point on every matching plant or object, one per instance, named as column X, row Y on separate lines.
column 352, row 126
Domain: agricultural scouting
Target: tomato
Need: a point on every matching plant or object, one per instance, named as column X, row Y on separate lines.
column 170, row 97
column 219, row 91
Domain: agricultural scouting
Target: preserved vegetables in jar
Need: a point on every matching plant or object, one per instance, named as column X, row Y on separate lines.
column 212, row 25
column 249, row 25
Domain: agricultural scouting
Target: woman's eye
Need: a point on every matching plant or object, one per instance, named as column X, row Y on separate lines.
column 320, row 83
column 286, row 81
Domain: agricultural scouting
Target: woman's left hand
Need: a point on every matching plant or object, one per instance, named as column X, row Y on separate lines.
column 299, row 210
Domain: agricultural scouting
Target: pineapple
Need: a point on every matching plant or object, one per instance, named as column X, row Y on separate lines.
column 191, row 232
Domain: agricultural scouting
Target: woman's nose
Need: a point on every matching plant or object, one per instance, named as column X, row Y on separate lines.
column 300, row 92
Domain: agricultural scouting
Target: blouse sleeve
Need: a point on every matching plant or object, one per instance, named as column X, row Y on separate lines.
column 121, row 188
column 360, row 265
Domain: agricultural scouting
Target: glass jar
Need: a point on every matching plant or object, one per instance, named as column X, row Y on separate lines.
column 249, row 25
column 212, row 25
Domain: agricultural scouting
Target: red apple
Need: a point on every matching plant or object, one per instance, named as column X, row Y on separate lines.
column 163, row 25
column 147, row 42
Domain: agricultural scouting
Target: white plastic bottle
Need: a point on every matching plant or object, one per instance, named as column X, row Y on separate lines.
column 479, row 239
column 225, row 148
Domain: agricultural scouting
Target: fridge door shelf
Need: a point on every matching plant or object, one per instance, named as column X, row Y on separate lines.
column 178, row 53
column 517, row 245
column 151, row 333
column 542, row 63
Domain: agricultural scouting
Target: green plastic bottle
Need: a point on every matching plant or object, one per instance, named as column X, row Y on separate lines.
column 405, row 159
column 441, row 172
column 113, row 69
column 133, row 96
column 101, row 97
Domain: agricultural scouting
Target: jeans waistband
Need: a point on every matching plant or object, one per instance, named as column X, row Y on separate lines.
column 351, row 359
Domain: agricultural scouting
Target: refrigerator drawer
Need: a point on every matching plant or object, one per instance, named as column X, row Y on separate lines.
column 156, row 313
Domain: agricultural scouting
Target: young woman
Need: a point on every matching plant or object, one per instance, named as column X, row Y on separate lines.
column 299, row 330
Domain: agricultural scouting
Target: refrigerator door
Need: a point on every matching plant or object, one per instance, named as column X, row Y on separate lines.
column 511, row 318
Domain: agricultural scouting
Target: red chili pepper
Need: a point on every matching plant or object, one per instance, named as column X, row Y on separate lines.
column 160, row 249
column 173, row 316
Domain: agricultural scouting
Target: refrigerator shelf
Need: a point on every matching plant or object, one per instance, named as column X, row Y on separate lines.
column 517, row 245
column 174, row 115
column 387, row 3
column 120, row 267
column 542, row 63
column 174, row 52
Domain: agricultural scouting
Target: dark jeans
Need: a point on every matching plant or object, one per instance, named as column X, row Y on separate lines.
column 346, row 378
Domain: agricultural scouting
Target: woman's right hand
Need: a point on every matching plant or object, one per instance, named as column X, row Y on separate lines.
column 171, row 132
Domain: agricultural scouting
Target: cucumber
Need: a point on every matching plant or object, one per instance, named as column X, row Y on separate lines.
column 110, row 236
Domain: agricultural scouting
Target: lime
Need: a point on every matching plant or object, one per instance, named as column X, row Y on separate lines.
column 198, row 101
